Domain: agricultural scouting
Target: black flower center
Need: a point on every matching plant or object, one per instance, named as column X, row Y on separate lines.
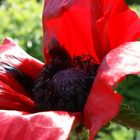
column 66, row 90
column 72, row 86
column 65, row 83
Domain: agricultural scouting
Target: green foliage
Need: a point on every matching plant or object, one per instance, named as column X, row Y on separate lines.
column 115, row 132
column 130, row 89
column 128, row 117
column 22, row 21
column 83, row 134
column 133, row 2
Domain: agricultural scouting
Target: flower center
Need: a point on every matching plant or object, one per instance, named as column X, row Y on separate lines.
column 72, row 86
column 65, row 83
column 65, row 89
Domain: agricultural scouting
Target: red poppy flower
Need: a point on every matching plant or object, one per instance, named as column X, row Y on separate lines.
column 77, row 36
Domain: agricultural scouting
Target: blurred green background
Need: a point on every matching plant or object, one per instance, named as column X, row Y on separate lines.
column 21, row 20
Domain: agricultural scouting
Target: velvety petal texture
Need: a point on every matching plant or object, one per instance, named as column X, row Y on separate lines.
column 12, row 54
column 89, row 26
column 103, row 102
column 70, row 22
column 38, row 126
column 10, row 99
column 113, row 24
column 12, row 93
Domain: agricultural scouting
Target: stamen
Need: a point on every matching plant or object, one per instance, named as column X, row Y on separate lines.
column 72, row 86
column 60, row 59
column 87, row 63
column 66, row 89
column 65, row 83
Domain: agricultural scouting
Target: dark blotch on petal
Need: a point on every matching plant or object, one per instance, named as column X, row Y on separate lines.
column 19, row 76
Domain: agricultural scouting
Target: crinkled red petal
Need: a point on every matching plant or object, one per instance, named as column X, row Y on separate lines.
column 89, row 26
column 12, row 100
column 16, row 125
column 70, row 22
column 11, row 54
column 103, row 102
column 114, row 25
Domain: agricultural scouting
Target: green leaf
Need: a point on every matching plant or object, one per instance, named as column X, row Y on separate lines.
column 128, row 118
column 129, row 115
column 130, row 90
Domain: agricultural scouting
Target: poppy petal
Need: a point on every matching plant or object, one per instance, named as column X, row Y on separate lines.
column 89, row 26
column 70, row 23
column 12, row 100
column 103, row 102
column 11, row 55
column 44, row 125
column 114, row 25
